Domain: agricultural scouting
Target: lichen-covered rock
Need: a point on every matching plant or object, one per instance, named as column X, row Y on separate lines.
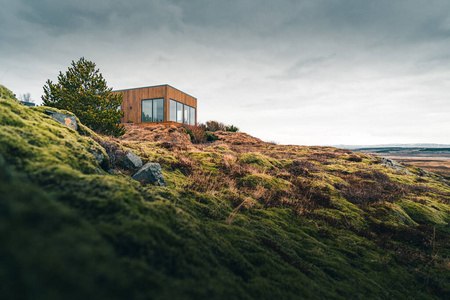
column 69, row 121
column 150, row 173
column 128, row 161
column 394, row 165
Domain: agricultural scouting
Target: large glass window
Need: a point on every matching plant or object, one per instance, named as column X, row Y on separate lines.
column 191, row 116
column 158, row 110
column 179, row 112
column 173, row 110
column 147, row 108
column 186, row 115
column 153, row 110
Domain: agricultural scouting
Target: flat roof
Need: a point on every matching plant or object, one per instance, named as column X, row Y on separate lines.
column 152, row 86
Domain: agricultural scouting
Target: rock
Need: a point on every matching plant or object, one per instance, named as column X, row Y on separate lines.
column 423, row 172
column 394, row 165
column 129, row 161
column 150, row 173
column 66, row 120
column 103, row 161
column 98, row 155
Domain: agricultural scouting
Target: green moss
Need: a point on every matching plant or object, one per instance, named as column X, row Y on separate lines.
column 221, row 148
column 423, row 214
column 267, row 181
column 258, row 160
column 109, row 237
column 38, row 142
column 348, row 168
column 174, row 178
column 6, row 94
column 207, row 160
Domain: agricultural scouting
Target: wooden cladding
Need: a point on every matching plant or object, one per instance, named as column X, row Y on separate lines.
column 132, row 101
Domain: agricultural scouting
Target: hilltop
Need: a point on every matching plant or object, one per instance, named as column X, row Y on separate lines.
column 239, row 219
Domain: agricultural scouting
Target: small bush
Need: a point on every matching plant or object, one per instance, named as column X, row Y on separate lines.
column 215, row 126
column 232, row 128
column 197, row 134
column 210, row 137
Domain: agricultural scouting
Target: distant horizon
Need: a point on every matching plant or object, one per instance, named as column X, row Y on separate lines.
column 401, row 145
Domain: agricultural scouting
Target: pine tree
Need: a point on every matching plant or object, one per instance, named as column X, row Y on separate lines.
column 83, row 91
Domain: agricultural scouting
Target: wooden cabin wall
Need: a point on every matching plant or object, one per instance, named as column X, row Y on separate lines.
column 132, row 101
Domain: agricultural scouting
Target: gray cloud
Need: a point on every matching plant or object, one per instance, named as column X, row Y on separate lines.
column 325, row 72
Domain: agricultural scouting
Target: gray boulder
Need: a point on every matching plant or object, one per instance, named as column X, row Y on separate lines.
column 394, row 165
column 129, row 161
column 66, row 120
column 150, row 173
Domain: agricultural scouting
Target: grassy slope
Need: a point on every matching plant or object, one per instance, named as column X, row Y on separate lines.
column 234, row 222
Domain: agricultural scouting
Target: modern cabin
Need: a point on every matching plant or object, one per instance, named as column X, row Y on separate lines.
column 161, row 104
column 26, row 103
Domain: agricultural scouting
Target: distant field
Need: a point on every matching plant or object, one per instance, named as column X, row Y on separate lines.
column 435, row 160
column 439, row 166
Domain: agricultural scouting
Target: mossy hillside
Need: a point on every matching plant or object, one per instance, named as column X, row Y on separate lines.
column 34, row 142
column 211, row 235
column 6, row 94
column 48, row 250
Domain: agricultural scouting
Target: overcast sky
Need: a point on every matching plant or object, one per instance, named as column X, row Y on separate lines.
column 294, row 72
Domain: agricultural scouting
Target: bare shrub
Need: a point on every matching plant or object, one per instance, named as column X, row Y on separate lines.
column 301, row 168
column 196, row 132
column 354, row 158
column 204, row 182
column 215, row 126
column 312, row 196
column 378, row 189
column 173, row 146
column 186, row 165
column 231, row 169
column 323, row 157
column 373, row 175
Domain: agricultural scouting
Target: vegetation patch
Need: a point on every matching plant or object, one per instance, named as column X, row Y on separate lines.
column 260, row 161
column 239, row 219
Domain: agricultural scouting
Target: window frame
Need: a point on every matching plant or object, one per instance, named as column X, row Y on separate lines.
column 184, row 108
column 152, row 113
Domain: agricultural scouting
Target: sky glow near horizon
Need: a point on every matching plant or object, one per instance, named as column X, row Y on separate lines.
column 293, row 72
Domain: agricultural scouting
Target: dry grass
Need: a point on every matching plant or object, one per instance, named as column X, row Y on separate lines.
column 278, row 175
column 439, row 166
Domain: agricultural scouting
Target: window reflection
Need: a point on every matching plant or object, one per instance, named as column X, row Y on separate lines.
column 191, row 116
column 158, row 110
column 181, row 113
column 173, row 110
column 186, row 114
column 152, row 110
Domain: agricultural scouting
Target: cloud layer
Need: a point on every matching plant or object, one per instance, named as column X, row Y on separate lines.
column 297, row 72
